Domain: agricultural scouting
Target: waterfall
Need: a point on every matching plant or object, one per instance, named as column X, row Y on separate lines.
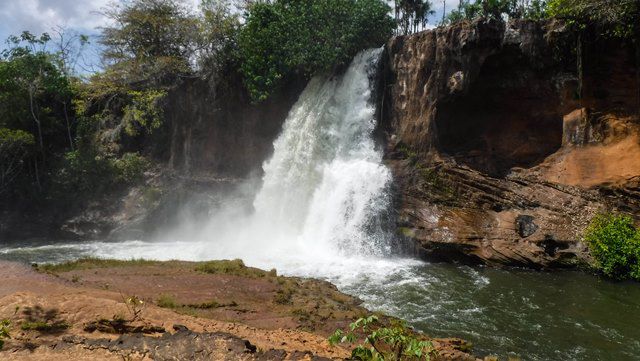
column 322, row 203
column 325, row 190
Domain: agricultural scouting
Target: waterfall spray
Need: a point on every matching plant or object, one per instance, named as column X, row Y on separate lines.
column 325, row 189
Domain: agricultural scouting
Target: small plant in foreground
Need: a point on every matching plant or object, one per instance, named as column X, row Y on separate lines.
column 135, row 305
column 397, row 342
column 4, row 332
column 615, row 244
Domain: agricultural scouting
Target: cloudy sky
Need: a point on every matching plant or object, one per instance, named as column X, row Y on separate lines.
column 40, row 16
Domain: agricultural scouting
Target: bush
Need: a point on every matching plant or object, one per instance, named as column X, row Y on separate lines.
column 88, row 173
column 615, row 244
column 15, row 148
column 617, row 18
column 397, row 342
column 166, row 301
column 130, row 168
column 145, row 111
column 307, row 37
column 4, row 331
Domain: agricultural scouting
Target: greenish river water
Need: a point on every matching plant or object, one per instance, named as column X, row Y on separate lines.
column 539, row 316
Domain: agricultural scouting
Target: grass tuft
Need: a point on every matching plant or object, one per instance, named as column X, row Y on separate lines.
column 231, row 267
column 45, row 327
column 91, row 262
column 166, row 301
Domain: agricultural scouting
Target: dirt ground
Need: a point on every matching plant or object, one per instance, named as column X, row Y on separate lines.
column 233, row 313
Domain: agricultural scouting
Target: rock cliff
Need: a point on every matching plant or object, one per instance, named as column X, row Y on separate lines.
column 503, row 148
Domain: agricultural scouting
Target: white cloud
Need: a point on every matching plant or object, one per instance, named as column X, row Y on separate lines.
column 40, row 16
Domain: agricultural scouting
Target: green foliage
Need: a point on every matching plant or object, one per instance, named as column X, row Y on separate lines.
column 497, row 9
column 613, row 17
column 144, row 112
column 396, row 342
column 149, row 39
column 4, row 332
column 286, row 37
column 91, row 263
column 284, row 295
column 88, row 173
column 43, row 320
column 218, row 34
column 166, row 301
column 232, row 267
column 130, row 168
column 615, row 244
column 15, row 149
column 45, row 327
column 412, row 15
column 33, row 90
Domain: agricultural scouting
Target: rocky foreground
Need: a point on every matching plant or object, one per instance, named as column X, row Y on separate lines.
column 143, row 310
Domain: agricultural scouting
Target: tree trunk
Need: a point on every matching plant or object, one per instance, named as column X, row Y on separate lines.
column 66, row 117
column 35, row 166
column 580, row 65
column 35, row 118
column 444, row 10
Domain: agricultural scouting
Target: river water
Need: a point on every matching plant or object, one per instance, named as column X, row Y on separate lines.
column 540, row 316
column 322, row 211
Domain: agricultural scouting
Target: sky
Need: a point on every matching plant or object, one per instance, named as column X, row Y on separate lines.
column 83, row 16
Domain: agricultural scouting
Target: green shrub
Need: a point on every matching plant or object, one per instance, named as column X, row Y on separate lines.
column 145, row 111
column 89, row 173
column 397, row 342
column 129, row 168
column 615, row 244
column 231, row 267
column 4, row 331
column 45, row 327
column 282, row 38
column 166, row 301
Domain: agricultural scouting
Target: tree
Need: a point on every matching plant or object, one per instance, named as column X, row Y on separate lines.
column 287, row 37
column 497, row 9
column 69, row 46
column 218, row 33
column 412, row 15
column 150, row 40
column 31, row 90
column 614, row 17
column 617, row 18
column 15, row 146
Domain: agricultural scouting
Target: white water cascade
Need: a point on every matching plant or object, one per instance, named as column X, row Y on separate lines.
column 325, row 191
column 325, row 188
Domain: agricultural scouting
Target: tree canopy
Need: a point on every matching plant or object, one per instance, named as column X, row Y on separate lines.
column 287, row 37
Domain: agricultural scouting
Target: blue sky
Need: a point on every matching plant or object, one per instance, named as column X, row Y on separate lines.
column 82, row 16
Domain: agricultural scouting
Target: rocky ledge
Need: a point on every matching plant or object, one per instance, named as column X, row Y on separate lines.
column 141, row 310
column 502, row 148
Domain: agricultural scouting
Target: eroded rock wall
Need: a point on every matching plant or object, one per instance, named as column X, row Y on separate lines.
column 502, row 149
column 217, row 130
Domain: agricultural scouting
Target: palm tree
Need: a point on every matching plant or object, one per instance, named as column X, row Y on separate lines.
column 412, row 15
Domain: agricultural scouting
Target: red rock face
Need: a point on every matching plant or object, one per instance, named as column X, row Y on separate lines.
column 497, row 158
